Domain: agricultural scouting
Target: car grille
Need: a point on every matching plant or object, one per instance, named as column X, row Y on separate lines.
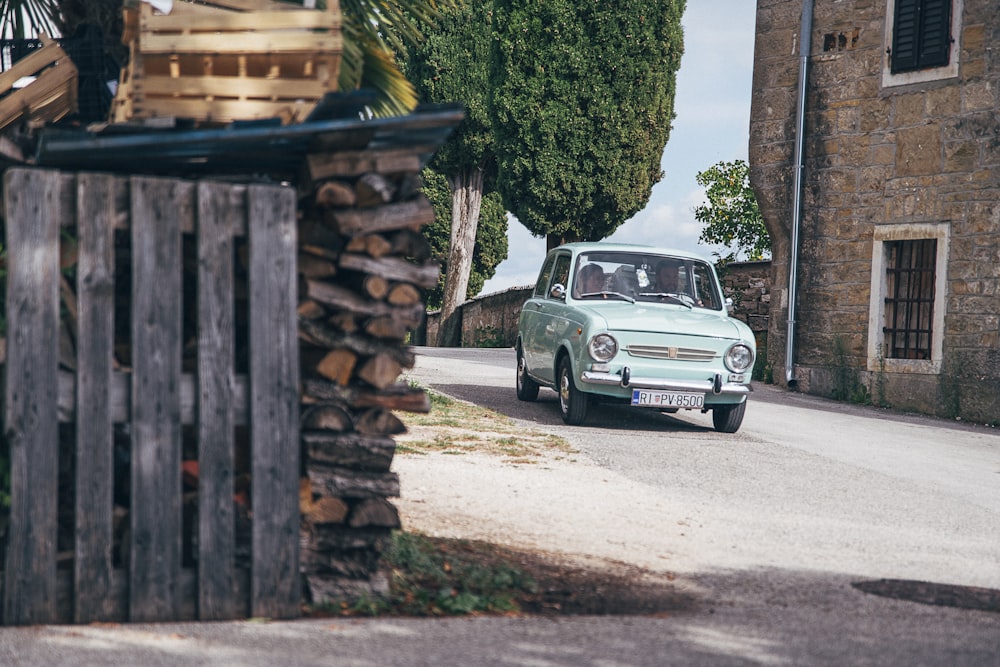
column 661, row 352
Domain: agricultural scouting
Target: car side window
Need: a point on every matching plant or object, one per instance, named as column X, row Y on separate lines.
column 542, row 286
column 560, row 274
column 708, row 296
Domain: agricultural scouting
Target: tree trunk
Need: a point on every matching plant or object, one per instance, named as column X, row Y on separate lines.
column 555, row 240
column 466, row 201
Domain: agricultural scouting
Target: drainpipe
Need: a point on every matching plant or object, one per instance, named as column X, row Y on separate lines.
column 805, row 44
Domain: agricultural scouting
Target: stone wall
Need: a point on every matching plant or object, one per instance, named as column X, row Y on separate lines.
column 882, row 158
column 748, row 284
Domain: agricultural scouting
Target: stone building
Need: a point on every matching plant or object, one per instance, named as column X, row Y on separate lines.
column 890, row 260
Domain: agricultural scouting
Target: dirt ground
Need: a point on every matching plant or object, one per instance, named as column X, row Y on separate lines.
column 573, row 586
column 559, row 518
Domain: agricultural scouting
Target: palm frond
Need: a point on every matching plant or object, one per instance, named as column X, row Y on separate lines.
column 24, row 19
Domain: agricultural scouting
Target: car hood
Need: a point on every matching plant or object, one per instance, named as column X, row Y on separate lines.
column 665, row 319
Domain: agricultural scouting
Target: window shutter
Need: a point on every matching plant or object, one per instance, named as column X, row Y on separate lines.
column 935, row 33
column 921, row 34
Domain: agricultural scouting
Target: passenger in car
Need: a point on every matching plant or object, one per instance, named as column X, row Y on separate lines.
column 666, row 277
column 590, row 281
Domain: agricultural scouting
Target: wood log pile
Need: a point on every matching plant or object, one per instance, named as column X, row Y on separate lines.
column 363, row 266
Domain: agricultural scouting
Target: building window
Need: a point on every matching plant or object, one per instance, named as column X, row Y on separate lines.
column 921, row 40
column 907, row 308
column 909, row 304
column 921, row 36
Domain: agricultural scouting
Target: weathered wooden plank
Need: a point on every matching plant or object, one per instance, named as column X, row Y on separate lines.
column 118, row 595
column 95, row 288
column 350, row 450
column 223, row 110
column 393, row 268
column 410, row 215
column 348, row 300
column 221, row 212
column 120, row 397
column 349, row 483
column 240, row 87
column 296, row 41
column 274, row 400
column 157, row 206
column 399, row 396
column 31, row 216
column 356, row 163
column 262, row 21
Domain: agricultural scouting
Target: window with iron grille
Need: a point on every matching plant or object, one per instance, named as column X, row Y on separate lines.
column 909, row 301
column 921, row 35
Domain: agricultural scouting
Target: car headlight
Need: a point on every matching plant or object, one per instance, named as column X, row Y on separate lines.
column 603, row 347
column 739, row 358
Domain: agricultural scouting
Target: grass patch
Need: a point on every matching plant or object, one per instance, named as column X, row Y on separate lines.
column 458, row 427
column 437, row 577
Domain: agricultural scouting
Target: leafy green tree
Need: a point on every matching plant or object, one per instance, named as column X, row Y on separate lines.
column 450, row 65
column 582, row 105
column 374, row 31
column 491, row 237
column 731, row 215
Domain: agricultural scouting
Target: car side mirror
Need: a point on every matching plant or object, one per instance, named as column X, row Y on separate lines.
column 729, row 305
column 558, row 291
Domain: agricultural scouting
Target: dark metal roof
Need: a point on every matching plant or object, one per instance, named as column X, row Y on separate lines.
column 265, row 148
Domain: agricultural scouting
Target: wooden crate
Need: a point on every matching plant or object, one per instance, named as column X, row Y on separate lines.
column 228, row 62
column 51, row 96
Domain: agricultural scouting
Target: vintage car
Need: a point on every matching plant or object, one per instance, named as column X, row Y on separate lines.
column 640, row 325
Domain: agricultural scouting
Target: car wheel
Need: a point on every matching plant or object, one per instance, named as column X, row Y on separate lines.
column 572, row 401
column 728, row 418
column 527, row 389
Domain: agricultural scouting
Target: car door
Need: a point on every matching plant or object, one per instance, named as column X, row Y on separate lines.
column 550, row 319
column 531, row 312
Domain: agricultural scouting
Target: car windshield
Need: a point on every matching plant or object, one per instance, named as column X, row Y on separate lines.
column 646, row 277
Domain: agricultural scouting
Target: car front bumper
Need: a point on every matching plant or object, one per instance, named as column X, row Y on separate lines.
column 716, row 386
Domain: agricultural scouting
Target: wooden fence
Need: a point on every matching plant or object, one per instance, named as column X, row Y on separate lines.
column 64, row 421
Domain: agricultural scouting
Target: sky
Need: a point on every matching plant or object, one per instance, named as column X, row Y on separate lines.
column 712, row 105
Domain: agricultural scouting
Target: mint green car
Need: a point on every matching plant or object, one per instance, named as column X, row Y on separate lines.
column 637, row 325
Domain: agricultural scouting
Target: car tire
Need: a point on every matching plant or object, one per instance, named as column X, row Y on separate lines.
column 572, row 401
column 728, row 418
column 527, row 389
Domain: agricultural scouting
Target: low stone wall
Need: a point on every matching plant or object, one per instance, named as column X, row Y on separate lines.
column 491, row 320
column 748, row 284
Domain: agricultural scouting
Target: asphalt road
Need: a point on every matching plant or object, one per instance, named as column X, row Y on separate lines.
column 784, row 528
column 784, row 525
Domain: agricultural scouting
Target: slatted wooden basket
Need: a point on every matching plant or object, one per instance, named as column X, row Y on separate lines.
column 228, row 60
column 51, row 96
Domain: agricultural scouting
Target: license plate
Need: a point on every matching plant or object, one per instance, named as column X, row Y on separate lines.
column 666, row 399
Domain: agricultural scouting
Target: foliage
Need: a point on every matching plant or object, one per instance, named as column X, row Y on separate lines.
column 455, row 579
column 762, row 368
column 846, row 385
column 375, row 32
column 491, row 237
column 22, row 19
column 582, row 105
column 731, row 215
column 450, row 65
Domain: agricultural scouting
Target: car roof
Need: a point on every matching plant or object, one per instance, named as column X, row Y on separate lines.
column 602, row 246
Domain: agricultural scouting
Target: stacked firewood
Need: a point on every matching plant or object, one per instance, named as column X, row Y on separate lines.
column 363, row 266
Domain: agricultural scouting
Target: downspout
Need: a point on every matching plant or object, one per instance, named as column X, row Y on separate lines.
column 805, row 44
